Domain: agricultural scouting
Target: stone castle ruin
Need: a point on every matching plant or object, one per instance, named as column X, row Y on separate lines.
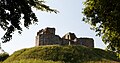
column 47, row 37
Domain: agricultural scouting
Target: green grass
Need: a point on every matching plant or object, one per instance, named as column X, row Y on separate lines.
column 67, row 54
column 33, row 61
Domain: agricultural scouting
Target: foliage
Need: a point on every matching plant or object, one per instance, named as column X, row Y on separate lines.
column 104, row 16
column 3, row 56
column 67, row 54
column 14, row 13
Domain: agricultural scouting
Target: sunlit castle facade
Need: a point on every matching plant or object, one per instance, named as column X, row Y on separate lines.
column 47, row 37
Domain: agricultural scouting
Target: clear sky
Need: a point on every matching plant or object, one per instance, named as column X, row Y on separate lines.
column 68, row 20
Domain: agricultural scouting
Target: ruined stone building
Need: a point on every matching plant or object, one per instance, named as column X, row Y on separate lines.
column 47, row 37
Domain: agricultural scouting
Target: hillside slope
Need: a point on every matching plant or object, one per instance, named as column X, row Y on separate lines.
column 67, row 54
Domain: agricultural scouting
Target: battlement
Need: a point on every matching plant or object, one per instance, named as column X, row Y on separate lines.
column 47, row 37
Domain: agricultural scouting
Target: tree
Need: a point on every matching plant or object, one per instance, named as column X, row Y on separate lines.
column 104, row 18
column 13, row 11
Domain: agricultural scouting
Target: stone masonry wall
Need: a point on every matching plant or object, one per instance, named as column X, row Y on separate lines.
column 47, row 37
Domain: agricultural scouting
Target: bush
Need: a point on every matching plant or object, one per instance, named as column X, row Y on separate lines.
column 3, row 56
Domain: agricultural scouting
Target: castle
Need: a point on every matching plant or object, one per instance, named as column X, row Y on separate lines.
column 47, row 37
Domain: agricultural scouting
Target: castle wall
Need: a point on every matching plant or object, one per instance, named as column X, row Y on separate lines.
column 69, row 36
column 47, row 37
column 89, row 42
column 37, row 43
column 65, row 42
column 49, row 31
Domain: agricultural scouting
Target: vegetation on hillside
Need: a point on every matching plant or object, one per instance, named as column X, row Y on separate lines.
column 34, row 61
column 67, row 54
column 3, row 56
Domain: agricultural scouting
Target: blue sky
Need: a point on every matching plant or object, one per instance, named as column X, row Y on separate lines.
column 68, row 20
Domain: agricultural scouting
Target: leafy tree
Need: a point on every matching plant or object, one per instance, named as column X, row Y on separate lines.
column 13, row 11
column 104, row 18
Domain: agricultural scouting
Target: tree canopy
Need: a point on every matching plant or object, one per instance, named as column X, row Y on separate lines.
column 104, row 18
column 13, row 11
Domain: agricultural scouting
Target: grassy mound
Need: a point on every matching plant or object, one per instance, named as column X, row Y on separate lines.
column 67, row 54
column 33, row 61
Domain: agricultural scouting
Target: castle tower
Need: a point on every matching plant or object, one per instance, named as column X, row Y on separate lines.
column 47, row 37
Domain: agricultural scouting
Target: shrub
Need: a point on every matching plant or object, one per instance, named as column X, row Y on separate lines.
column 3, row 56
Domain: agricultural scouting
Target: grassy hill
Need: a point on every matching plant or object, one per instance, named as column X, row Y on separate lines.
column 62, row 54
